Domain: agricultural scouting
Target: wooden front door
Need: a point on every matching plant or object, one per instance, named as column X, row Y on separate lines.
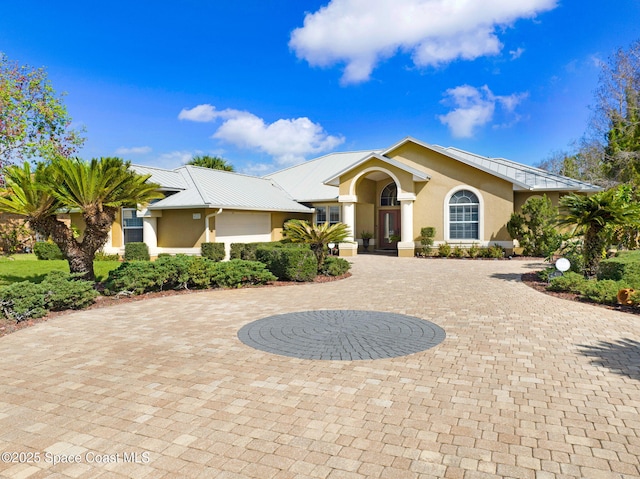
column 388, row 226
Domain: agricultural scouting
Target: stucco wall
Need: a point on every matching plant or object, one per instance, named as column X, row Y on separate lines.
column 178, row 228
column 278, row 220
column 446, row 174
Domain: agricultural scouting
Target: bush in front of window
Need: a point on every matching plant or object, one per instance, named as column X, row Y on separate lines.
column 289, row 264
column 444, row 250
column 212, row 251
column 136, row 252
column 46, row 250
column 458, row 252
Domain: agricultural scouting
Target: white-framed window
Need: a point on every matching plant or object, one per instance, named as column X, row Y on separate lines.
column 389, row 195
column 131, row 226
column 330, row 214
column 464, row 216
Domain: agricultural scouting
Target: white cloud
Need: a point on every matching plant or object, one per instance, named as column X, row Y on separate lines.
column 288, row 141
column 134, row 150
column 517, row 53
column 361, row 33
column 475, row 107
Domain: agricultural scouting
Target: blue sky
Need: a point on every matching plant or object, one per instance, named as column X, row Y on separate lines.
column 269, row 83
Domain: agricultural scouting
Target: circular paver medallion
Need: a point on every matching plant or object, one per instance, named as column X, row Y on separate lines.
column 341, row 335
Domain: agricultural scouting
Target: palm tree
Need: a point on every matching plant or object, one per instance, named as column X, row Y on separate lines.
column 316, row 236
column 97, row 189
column 213, row 162
column 590, row 215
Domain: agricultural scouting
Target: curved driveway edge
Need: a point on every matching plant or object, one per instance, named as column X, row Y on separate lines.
column 524, row 385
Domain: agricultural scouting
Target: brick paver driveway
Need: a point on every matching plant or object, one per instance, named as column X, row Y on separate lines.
column 524, row 386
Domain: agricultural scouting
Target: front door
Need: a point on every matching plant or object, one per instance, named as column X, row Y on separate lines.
column 388, row 229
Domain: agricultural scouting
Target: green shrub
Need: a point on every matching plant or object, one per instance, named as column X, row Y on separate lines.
column 236, row 273
column 135, row 277
column 458, row 252
column 444, row 250
column 164, row 255
column 64, row 291
column 173, row 271
column 213, row 251
column 136, row 252
column 45, row 250
column 495, row 251
column 545, row 274
column 236, row 250
column 289, row 263
column 22, row 301
column 624, row 267
column 569, row 282
column 334, row 266
column 535, row 227
column 474, row 251
column 102, row 256
column 603, row 291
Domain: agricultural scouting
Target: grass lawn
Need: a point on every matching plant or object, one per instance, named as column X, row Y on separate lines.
column 25, row 267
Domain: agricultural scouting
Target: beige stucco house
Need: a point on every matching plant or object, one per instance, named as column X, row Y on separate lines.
column 390, row 193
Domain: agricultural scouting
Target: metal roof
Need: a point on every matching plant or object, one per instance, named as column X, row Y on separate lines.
column 523, row 177
column 167, row 179
column 304, row 182
column 314, row 180
column 208, row 188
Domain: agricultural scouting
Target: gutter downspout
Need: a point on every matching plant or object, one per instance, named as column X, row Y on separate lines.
column 206, row 224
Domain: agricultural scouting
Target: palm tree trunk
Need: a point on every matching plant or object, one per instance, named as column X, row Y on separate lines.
column 593, row 245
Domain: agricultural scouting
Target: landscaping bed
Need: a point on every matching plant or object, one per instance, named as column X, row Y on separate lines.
column 533, row 281
column 9, row 326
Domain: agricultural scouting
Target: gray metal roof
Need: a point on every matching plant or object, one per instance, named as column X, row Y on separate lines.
column 167, row 179
column 207, row 188
column 305, row 182
column 417, row 174
column 523, row 177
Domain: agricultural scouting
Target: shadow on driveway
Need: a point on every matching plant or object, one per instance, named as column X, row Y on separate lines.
column 621, row 356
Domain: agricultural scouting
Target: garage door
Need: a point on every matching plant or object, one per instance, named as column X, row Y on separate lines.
column 242, row 227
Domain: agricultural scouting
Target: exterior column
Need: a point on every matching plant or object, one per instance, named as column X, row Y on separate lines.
column 406, row 245
column 150, row 234
column 349, row 247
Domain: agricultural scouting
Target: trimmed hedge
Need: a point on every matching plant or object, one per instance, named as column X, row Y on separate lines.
column 625, row 267
column 248, row 251
column 136, row 252
column 57, row 292
column 212, row 251
column 289, row 264
column 45, row 250
column 181, row 271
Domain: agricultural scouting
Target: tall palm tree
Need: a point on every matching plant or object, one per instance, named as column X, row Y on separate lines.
column 97, row 189
column 316, row 236
column 213, row 162
column 590, row 215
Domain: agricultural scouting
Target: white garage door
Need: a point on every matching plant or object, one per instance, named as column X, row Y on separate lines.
column 242, row 227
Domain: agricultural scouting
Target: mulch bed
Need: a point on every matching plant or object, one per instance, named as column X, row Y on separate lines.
column 9, row 326
column 531, row 279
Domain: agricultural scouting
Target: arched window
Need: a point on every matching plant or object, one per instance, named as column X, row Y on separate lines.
column 464, row 217
column 389, row 196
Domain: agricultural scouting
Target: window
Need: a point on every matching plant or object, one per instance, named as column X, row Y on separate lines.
column 333, row 212
column 464, row 215
column 389, row 196
column 131, row 226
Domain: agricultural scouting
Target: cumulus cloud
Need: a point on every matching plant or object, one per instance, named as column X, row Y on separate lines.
column 475, row 107
column 361, row 33
column 134, row 150
column 517, row 53
column 288, row 141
